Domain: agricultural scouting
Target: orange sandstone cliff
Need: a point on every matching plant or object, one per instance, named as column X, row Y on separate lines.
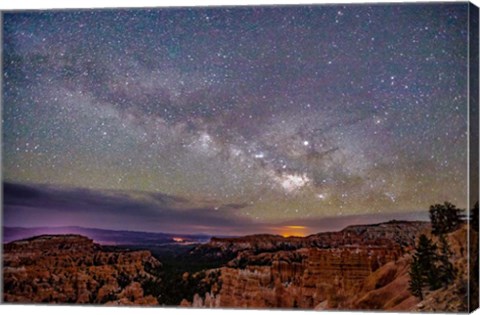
column 333, row 270
column 73, row 269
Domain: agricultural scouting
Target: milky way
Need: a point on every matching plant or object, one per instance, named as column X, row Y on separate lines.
column 289, row 113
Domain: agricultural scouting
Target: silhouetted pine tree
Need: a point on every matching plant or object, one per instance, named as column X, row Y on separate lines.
column 446, row 271
column 445, row 218
column 416, row 282
column 427, row 256
column 423, row 270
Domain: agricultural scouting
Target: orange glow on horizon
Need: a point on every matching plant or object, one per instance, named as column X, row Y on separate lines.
column 292, row 230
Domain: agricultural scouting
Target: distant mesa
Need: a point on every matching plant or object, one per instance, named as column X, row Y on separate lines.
column 105, row 237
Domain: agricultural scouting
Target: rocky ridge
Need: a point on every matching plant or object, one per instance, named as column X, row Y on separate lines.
column 388, row 234
column 322, row 271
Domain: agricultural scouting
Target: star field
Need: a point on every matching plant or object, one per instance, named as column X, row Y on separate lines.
column 291, row 112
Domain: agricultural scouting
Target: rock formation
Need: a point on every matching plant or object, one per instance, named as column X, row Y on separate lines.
column 72, row 269
column 361, row 267
column 322, row 271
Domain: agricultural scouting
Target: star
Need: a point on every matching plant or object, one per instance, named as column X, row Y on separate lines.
column 240, row 113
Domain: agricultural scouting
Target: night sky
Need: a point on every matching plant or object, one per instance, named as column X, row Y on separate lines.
column 234, row 120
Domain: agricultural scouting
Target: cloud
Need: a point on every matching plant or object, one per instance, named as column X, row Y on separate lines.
column 34, row 205
column 41, row 205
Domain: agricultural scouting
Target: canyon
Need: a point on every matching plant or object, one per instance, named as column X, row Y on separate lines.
column 360, row 267
column 321, row 271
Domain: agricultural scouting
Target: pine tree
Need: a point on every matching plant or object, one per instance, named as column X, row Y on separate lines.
column 416, row 282
column 427, row 255
column 423, row 270
column 446, row 270
column 445, row 218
